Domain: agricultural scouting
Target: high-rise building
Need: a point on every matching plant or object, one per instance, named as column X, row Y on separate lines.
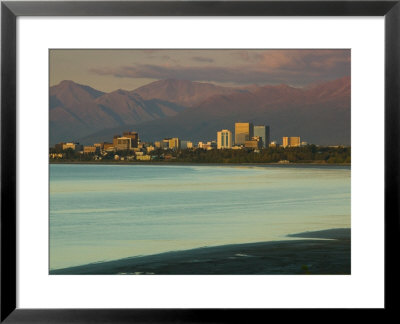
column 134, row 138
column 263, row 133
column 243, row 132
column 291, row 141
column 224, row 139
column 174, row 143
column 123, row 143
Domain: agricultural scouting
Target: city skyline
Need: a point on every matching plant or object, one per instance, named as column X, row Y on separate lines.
column 225, row 139
column 95, row 94
column 130, row 148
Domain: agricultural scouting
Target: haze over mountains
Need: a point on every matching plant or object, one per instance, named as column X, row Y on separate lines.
column 195, row 111
column 182, row 92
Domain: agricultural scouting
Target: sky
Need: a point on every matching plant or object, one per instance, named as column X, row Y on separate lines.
column 109, row 70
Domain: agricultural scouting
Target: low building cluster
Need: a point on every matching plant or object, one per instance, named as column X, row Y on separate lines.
column 128, row 143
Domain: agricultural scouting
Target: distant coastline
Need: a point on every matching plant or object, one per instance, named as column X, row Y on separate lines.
column 102, row 162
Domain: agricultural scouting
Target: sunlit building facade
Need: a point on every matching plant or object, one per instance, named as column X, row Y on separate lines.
column 291, row 141
column 254, row 143
column 109, row 147
column 123, row 143
column 88, row 149
column 134, row 136
column 67, row 146
column 243, row 133
column 224, row 139
column 73, row 146
column 174, row 143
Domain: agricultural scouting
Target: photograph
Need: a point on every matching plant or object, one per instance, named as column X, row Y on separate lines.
column 199, row 161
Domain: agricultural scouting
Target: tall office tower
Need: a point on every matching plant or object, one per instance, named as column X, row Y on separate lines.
column 134, row 136
column 243, row 132
column 291, row 141
column 263, row 133
column 224, row 139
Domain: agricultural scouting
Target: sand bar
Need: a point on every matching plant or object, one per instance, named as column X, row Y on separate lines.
column 321, row 252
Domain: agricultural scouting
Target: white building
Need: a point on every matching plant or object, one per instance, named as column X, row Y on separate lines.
column 224, row 139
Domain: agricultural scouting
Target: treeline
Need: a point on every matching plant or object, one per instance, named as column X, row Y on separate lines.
column 306, row 154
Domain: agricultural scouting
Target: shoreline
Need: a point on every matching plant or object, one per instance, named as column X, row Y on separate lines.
column 204, row 163
column 318, row 252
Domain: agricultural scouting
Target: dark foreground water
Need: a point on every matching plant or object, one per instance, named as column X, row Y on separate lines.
column 108, row 212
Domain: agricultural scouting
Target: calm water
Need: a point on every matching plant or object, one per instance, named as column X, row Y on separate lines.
column 106, row 212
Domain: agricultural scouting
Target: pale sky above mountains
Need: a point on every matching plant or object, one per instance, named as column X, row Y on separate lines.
column 109, row 70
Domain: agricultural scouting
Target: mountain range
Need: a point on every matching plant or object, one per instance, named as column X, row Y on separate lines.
column 319, row 113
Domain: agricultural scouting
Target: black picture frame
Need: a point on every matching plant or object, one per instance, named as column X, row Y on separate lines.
column 10, row 10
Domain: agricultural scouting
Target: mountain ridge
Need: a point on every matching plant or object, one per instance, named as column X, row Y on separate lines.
column 183, row 92
column 319, row 113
